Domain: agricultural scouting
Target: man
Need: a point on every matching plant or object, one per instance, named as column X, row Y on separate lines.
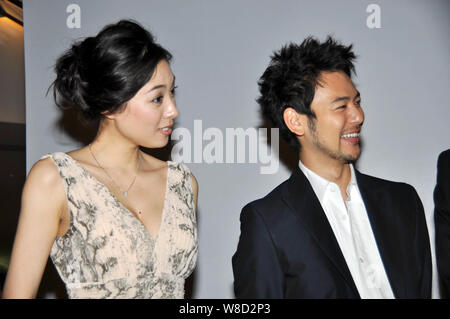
column 442, row 221
column 328, row 231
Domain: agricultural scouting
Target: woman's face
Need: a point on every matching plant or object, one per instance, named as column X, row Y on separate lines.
column 147, row 118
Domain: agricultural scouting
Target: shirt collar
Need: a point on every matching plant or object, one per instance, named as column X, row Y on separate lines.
column 320, row 184
column 352, row 176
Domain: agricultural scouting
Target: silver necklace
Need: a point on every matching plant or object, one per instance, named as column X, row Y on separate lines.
column 124, row 193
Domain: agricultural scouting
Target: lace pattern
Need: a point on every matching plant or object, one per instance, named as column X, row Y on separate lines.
column 108, row 253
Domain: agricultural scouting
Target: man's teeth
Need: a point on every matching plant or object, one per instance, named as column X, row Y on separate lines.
column 350, row 135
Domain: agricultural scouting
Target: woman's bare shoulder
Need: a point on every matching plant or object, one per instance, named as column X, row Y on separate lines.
column 43, row 178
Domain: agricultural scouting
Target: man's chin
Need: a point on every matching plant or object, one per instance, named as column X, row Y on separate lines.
column 347, row 158
column 350, row 159
column 351, row 156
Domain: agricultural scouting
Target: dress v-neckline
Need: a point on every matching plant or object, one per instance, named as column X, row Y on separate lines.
column 153, row 238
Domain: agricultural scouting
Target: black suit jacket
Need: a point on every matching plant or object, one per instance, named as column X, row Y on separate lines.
column 442, row 221
column 287, row 248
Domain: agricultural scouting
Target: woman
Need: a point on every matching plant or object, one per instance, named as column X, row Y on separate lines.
column 116, row 222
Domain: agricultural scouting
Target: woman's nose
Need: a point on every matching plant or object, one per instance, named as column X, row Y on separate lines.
column 171, row 111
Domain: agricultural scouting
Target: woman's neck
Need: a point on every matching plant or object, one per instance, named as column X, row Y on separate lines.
column 114, row 151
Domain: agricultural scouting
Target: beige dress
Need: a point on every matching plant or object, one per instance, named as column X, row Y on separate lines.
column 108, row 253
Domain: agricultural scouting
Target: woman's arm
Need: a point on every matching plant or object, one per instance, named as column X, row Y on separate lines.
column 195, row 189
column 43, row 198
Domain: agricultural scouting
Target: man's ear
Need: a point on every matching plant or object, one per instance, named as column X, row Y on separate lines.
column 295, row 122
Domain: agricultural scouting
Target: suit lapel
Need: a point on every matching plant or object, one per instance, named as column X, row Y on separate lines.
column 380, row 217
column 301, row 198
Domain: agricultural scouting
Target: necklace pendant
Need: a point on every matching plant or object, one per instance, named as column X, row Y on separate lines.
column 125, row 194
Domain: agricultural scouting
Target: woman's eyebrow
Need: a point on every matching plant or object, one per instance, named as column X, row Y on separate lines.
column 161, row 86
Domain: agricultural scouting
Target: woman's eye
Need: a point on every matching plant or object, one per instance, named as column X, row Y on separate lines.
column 173, row 90
column 157, row 99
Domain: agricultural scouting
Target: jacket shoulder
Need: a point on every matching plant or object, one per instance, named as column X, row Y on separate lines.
column 443, row 164
column 384, row 184
column 444, row 156
column 269, row 203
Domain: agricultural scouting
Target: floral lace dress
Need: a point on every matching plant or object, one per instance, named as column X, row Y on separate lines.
column 108, row 253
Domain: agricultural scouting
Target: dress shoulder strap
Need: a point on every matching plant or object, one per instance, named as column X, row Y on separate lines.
column 180, row 185
column 66, row 165
column 73, row 175
column 179, row 173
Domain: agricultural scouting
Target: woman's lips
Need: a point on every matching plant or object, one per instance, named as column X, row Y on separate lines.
column 166, row 130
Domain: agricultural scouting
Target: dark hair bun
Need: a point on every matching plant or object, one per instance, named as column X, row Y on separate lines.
column 99, row 74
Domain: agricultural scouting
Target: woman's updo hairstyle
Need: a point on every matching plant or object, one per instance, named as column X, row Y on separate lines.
column 99, row 74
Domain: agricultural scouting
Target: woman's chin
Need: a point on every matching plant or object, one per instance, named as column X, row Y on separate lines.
column 156, row 144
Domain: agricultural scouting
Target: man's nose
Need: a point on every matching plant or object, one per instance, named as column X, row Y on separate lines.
column 357, row 115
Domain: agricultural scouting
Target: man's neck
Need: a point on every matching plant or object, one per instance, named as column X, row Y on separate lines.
column 332, row 170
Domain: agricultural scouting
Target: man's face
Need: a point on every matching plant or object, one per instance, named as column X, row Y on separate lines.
column 334, row 133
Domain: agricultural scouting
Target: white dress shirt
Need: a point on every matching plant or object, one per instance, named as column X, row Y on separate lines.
column 352, row 229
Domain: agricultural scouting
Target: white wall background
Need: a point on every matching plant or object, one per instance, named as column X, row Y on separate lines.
column 220, row 50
